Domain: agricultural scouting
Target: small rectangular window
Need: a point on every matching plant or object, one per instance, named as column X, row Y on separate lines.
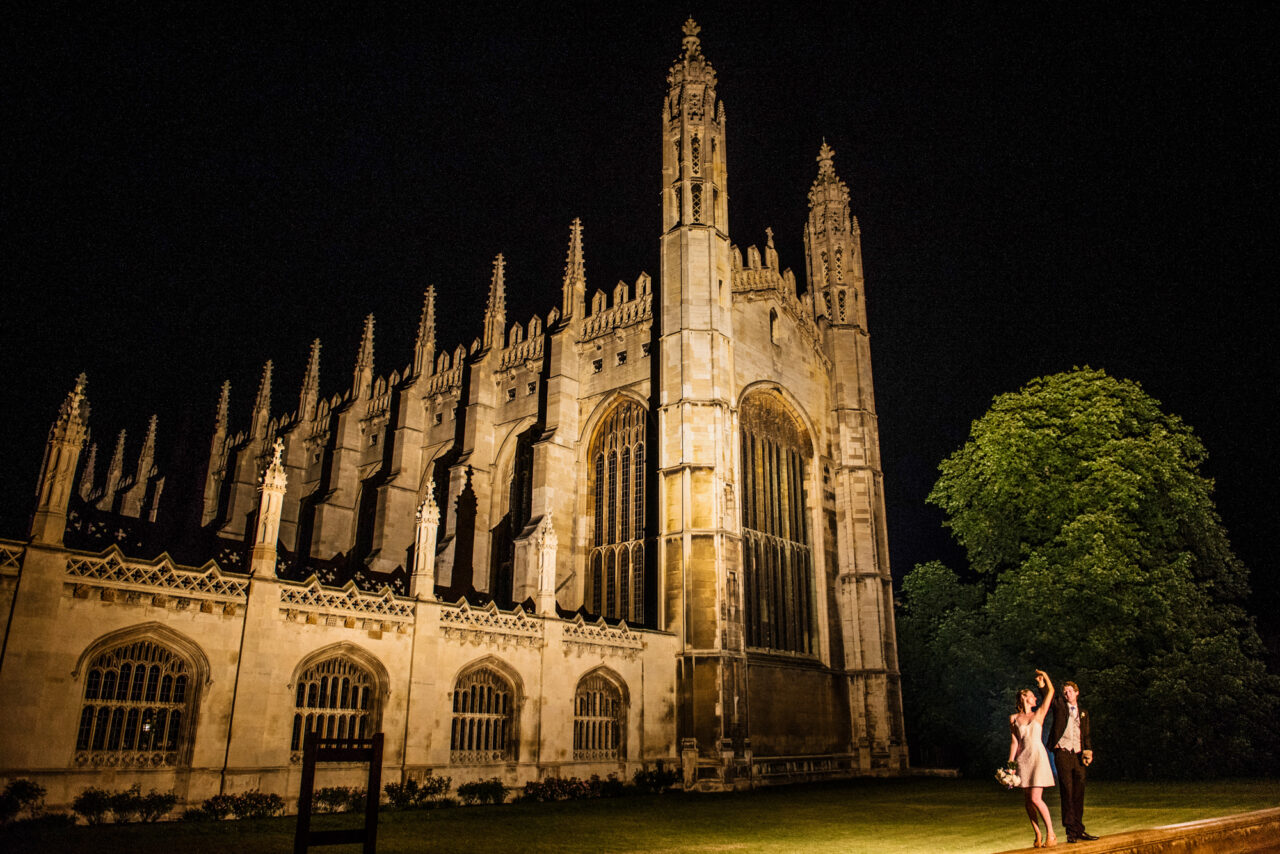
column 622, row 357
column 511, row 393
column 533, row 387
column 644, row 348
column 439, row 416
column 597, row 365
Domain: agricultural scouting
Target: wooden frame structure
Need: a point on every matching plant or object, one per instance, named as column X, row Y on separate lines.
column 315, row 750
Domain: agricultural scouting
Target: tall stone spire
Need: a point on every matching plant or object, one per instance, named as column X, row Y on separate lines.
column 220, row 421
column 574, row 291
column 495, row 312
column 147, row 458
column 309, row 398
column 58, row 470
column 115, row 473
column 89, row 477
column 693, row 158
column 363, row 380
column 832, row 244
column 262, row 404
column 217, row 456
column 131, row 502
column 424, row 349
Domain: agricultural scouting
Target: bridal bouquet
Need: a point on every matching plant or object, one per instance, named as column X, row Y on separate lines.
column 1007, row 775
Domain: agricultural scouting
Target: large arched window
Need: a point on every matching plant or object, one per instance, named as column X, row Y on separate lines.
column 137, row 706
column 483, row 730
column 776, row 544
column 599, row 718
column 615, row 564
column 334, row 698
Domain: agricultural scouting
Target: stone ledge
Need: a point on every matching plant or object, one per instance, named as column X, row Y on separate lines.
column 1233, row 834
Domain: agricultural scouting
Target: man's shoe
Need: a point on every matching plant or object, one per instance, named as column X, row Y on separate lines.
column 1071, row 840
column 1088, row 837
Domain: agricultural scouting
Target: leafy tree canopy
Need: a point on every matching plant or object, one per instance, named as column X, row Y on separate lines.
column 1096, row 553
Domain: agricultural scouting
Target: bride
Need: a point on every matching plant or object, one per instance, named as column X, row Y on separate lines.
column 1027, row 749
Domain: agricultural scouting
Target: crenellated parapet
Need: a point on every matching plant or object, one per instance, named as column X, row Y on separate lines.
column 760, row 278
column 625, row 311
column 524, row 346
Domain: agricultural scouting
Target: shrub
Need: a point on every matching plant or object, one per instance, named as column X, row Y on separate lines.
column 256, row 804
column 126, row 804
column 19, row 795
column 92, row 805
column 219, row 806
column 655, row 780
column 197, row 814
column 402, row 795
column 331, row 799
column 418, row 794
column 572, row 788
column 155, row 805
column 483, row 792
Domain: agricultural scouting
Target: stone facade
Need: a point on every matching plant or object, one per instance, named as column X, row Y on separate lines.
column 647, row 527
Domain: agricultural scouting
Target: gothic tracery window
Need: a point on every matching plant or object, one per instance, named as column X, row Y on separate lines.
column 137, row 707
column 335, row 698
column 777, row 550
column 615, row 564
column 599, row 718
column 483, row 729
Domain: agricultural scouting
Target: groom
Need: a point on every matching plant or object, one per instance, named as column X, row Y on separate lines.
column 1072, row 752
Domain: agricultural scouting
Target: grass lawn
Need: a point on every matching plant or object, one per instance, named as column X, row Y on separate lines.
column 882, row 816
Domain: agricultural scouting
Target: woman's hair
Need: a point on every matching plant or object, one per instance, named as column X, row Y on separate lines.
column 1017, row 702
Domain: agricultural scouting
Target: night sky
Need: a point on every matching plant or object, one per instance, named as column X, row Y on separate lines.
column 188, row 194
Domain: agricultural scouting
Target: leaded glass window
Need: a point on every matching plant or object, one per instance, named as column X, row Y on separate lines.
column 483, row 729
column 599, row 719
column 777, row 550
column 615, row 566
column 334, row 698
column 136, row 711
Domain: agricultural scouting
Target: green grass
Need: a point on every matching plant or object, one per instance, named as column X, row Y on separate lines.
column 882, row 816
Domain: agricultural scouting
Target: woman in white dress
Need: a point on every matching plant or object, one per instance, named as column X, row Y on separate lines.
column 1026, row 747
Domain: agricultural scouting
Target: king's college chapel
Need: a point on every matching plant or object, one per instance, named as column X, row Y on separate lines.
column 646, row 527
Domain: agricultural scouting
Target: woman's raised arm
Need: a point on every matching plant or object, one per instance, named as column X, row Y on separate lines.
column 1045, row 682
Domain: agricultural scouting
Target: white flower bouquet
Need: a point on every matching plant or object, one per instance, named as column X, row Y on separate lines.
column 1007, row 775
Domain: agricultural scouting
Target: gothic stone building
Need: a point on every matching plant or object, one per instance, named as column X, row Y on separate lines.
column 647, row 528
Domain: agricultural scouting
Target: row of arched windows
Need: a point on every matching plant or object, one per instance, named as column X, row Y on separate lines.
column 137, row 709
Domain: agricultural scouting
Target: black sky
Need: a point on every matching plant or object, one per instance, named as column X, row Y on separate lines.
column 190, row 192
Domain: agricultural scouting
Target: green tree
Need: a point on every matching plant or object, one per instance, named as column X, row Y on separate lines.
column 1094, row 552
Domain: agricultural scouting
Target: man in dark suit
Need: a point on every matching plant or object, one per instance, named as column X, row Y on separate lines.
column 1072, row 745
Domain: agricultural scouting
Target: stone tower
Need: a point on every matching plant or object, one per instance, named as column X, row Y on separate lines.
column 865, row 588
column 698, row 548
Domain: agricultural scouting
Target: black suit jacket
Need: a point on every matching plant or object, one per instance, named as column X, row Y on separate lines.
column 1060, row 716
